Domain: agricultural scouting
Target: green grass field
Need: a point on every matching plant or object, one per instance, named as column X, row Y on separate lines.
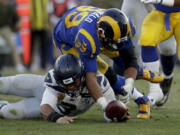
column 164, row 121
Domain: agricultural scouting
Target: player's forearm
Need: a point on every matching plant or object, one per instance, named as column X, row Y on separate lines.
column 130, row 75
column 95, row 89
column 130, row 72
column 93, row 85
column 46, row 110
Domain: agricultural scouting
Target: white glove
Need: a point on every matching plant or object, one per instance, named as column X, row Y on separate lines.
column 129, row 85
column 102, row 102
column 106, row 118
column 163, row 2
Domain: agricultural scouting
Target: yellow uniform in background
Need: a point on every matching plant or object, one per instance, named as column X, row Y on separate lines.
column 39, row 14
column 159, row 25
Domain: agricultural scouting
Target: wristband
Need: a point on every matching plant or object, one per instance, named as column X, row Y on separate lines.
column 54, row 116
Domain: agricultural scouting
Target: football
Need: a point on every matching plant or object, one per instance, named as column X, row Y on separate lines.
column 116, row 111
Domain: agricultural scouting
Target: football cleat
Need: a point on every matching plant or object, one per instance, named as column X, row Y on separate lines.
column 165, row 86
column 144, row 107
column 148, row 75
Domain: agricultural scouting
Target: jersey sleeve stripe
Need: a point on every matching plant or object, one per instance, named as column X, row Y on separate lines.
column 90, row 39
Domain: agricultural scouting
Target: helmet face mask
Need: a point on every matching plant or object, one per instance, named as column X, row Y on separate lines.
column 114, row 45
column 73, row 89
column 69, row 74
column 113, row 29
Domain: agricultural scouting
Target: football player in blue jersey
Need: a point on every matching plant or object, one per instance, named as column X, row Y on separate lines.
column 86, row 32
column 159, row 25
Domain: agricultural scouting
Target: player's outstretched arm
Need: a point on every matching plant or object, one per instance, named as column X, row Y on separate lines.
column 95, row 89
column 49, row 114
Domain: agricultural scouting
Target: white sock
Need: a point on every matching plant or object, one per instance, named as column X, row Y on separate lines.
column 155, row 92
column 135, row 94
column 153, row 66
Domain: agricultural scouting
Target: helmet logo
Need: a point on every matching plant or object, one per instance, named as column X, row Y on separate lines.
column 114, row 25
column 68, row 81
column 61, row 96
column 101, row 33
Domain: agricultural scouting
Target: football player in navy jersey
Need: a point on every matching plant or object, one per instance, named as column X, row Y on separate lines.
column 159, row 25
column 60, row 95
column 86, row 32
column 63, row 96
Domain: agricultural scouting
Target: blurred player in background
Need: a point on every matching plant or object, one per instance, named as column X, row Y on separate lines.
column 39, row 34
column 58, row 7
column 159, row 25
column 9, row 24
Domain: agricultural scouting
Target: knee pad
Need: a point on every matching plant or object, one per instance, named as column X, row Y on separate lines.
column 167, row 47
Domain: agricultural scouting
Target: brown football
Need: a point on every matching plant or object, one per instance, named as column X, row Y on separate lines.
column 116, row 111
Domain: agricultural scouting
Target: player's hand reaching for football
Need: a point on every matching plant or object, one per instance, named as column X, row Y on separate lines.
column 102, row 102
column 65, row 120
column 129, row 85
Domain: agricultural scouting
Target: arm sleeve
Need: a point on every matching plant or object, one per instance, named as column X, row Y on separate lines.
column 90, row 64
column 129, row 57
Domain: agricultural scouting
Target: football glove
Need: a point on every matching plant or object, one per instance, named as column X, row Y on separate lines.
column 102, row 102
column 163, row 2
column 148, row 75
column 106, row 118
column 129, row 85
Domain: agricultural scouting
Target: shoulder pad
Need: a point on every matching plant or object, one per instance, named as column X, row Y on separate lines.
column 49, row 79
column 87, row 43
column 102, row 80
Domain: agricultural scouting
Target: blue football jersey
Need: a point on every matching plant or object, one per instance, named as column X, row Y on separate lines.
column 78, row 28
